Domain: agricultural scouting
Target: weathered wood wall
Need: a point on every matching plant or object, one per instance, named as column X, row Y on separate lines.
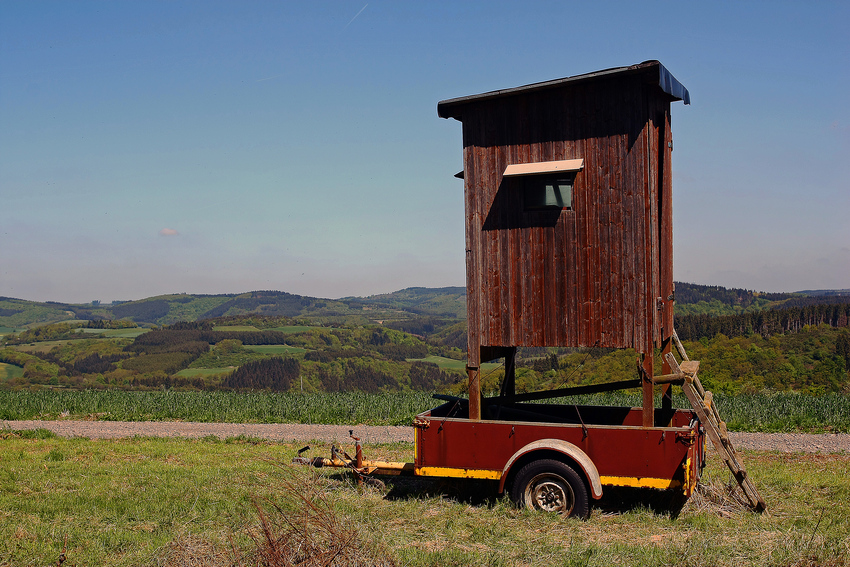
column 582, row 277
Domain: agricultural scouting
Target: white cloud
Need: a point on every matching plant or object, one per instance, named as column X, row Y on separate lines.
column 168, row 232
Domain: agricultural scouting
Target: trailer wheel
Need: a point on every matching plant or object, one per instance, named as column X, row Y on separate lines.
column 551, row 486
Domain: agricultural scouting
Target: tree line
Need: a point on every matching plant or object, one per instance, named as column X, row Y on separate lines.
column 688, row 293
column 765, row 323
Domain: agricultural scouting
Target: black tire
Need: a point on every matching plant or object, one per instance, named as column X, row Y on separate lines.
column 551, row 486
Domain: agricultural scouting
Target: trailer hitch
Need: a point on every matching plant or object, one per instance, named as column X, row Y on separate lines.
column 341, row 459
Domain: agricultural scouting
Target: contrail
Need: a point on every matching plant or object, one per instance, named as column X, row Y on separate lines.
column 355, row 16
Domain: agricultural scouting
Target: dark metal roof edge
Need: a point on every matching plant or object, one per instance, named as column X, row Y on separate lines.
column 666, row 81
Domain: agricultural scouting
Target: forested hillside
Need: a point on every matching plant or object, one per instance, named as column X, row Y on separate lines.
column 411, row 339
column 693, row 299
column 446, row 305
column 168, row 309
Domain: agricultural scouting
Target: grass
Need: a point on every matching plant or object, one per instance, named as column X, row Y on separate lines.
column 291, row 329
column 235, row 328
column 130, row 333
column 276, row 349
column 193, row 372
column 119, row 503
column 9, row 371
column 452, row 364
column 158, row 502
column 46, row 346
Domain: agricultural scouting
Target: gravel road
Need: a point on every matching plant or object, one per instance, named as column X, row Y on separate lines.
column 785, row 442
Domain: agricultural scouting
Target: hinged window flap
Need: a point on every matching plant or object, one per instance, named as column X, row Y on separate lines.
column 544, row 167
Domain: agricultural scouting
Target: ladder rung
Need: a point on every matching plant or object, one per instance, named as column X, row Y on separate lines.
column 690, row 367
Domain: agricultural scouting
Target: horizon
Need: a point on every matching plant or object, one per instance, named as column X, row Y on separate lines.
column 218, row 146
column 836, row 291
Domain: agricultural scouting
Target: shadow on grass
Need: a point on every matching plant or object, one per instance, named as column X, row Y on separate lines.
column 621, row 500
column 484, row 493
column 466, row 491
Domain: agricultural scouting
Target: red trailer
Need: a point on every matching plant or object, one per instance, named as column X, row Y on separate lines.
column 555, row 457
column 569, row 242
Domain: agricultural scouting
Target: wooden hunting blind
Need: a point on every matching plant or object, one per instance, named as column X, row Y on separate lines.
column 569, row 242
column 569, row 237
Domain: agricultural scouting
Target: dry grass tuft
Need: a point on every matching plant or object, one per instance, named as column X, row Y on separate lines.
column 297, row 527
column 712, row 496
column 191, row 551
column 310, row 534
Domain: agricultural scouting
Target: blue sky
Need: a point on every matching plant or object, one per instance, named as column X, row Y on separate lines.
column 221, row 147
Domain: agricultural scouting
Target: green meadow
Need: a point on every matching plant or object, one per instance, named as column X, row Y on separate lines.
column 168, row 502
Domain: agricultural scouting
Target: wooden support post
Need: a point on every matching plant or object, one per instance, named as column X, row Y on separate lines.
column 474, row 374
column 666, row 389
column 509, row 383
column 648, row 391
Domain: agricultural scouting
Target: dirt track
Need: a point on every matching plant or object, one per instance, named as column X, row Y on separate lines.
column 785, row 442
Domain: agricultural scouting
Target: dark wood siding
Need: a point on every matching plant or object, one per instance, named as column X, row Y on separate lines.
column 582, row 277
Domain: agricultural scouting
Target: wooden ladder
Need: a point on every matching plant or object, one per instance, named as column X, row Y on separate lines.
column 703, row 403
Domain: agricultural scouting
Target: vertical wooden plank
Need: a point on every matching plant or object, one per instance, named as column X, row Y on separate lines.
column 643, row 296
column 600, row 248
column 619, row 265
column 666, row 216
column 472, row 283
column 631, row 241
column 610, row 158
column 579, row 115
column 473, row 165
column 653, row 202
column 560, row 259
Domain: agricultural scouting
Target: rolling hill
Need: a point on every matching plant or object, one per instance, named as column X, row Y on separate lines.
column 447, row 303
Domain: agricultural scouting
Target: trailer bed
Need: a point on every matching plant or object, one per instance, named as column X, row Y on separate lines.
column 449, row 444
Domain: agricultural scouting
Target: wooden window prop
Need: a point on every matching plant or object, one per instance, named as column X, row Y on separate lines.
column 546, row 184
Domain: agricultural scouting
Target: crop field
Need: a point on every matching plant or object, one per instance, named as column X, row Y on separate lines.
column 169, row 502
column 339, row 408
column 130, row 333
column 779, row 412
column 291, row 329
column 235, row 328
column 194, row 372
column 276, row 349
column 47, row 346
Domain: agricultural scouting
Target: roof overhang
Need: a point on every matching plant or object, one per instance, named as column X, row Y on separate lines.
column 452, row 108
